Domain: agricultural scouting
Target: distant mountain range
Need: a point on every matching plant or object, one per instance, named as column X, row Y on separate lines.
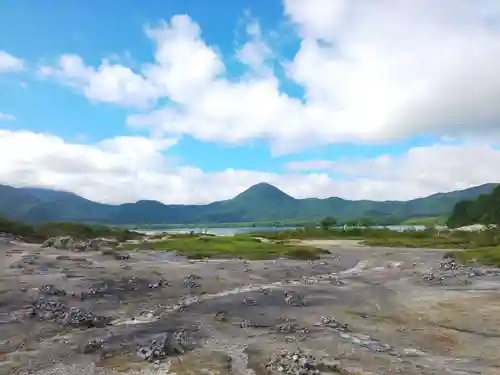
column 260, row 203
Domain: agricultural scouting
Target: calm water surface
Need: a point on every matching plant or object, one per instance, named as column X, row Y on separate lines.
column 233, row 231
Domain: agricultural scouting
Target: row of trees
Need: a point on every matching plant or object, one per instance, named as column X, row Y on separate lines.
column 485, row 209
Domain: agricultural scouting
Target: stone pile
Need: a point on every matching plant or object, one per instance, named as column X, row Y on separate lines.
column 121, row 256
column 249, row 301
column 221, row 316
column 173, row 343
column 295, row 299
column 70, row 243
column 95, row 290
column 60, row 242
column 56, row 311
column 191, row 281
column 93, row 345
column 449, row 268
column 247, row 324
column 247, row 266
column 250, row 324
column 159, row 284
column 331, row 322
column 288, row 328
column 51, row 290
column 293, row 363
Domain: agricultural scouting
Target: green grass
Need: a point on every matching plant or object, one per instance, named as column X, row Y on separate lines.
column 199, row 247
column 431, row 242
column 426, row 221
column 429, row 238
column 489, row 256
column 438, row 239
column 310, row 234
column 40, row 233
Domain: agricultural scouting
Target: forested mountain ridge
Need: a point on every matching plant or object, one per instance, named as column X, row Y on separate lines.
column 259, row 203
column 483, row 209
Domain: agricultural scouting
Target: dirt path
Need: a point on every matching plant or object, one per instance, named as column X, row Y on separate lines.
column 397, row 322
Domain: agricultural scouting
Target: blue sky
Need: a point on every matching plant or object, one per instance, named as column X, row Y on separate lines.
column 319, row 97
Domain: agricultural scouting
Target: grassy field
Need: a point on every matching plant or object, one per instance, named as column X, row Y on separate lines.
column 199, row 247
column 312, row 233
column 429, row 238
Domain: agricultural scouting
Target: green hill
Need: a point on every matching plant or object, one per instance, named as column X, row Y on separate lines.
column 260, row 203
column 482, row 209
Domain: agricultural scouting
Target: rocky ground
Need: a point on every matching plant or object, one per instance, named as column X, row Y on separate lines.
column 358, row 311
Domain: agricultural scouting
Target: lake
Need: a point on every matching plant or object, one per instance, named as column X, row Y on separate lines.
column 233, row 231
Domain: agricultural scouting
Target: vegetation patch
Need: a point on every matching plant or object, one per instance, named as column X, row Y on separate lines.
column 429, row 238
column 489, row 256
column 39, row 233
column 310, row 234
column 199, row 247
column 425, row 221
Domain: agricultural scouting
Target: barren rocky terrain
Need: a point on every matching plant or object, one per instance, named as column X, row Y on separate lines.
column 360, row 310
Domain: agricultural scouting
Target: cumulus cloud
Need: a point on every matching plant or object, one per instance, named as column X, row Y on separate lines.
column 7, row 117
column 372, row 71
column 419, row 171
column 130, row 168
column 255, row 52
column 10, row 63
column 109, row 83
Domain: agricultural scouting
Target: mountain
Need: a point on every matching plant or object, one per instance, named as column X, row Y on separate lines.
column 261, row 202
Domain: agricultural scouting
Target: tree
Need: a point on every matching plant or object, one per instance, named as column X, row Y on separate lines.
column 328, row 222
column 365, row 221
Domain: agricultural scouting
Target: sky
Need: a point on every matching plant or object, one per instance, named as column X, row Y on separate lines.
column 193, row 101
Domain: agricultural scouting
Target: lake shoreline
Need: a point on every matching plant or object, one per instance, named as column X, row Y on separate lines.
column 224, row 231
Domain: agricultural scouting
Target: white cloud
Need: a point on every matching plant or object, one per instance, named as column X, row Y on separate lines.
column 372, row 70
column 185, row 66
column 393, row 69
column 9, row 63
column 127, row 169
column 109, row 83
column 419, row 171
column 255, row 52
column 7, row 117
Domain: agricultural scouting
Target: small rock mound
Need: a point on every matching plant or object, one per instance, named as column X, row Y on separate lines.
column 295, row 299
column 52, row 310
column 173, row 343
column 331, row 322
column 60, row 242
column 293, row 363
column 449, row 269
